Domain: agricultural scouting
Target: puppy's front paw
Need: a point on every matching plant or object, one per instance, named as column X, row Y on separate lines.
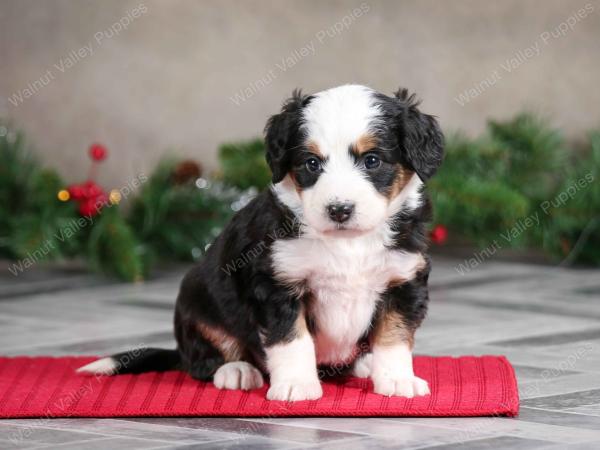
column 403, row 386
column 294, row 391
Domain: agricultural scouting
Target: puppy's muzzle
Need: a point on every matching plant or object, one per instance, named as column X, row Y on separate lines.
column 340, row 212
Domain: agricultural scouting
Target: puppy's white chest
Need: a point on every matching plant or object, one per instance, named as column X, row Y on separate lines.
column 346, row 278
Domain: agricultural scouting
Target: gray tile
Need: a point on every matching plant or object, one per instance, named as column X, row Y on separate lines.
column 479, row 281
column 552, row 339
column 567, row 417
column 556, row 386
column 376, row 442
column 248, row 443
column 35, row 432
column 592, row 445
column 592, row 291
column 249, row 427
column 125, row 428
column 546, row 309
column 564, row 401
column 591, row 410
column 5, row 444
column 112, row 443
column 27, row 285
column 146, row 304
column 102, row 346
column 530, row 357
column 390, row 432
column 126, row 342
column 502, row 426
column 495, row 443
column 530, row 373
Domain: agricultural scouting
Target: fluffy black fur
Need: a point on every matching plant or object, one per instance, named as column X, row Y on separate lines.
column 245, row 298
column 414, row 137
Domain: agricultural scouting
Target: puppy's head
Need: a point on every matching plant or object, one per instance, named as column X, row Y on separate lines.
column 347, row 159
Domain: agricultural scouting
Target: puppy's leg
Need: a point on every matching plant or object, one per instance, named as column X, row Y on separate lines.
column 199, row 357
column 235, row 373
column 391, row 367
column 290, row 357
column 293, row 369
column 404, row 308
column 211, row 352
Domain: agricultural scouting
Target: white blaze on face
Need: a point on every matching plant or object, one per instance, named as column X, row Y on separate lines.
column 334, row 121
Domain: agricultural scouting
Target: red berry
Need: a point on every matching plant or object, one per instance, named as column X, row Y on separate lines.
column 92, row 190
column 88, row 208
column 439, row 234
column 76, row 191
column 98, row 152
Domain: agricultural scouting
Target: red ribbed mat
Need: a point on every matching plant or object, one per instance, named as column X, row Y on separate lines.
column 49, row 387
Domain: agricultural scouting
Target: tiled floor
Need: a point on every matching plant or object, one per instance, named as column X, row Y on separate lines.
column 546, row 320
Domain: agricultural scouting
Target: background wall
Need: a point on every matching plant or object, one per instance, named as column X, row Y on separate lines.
column 146, row 76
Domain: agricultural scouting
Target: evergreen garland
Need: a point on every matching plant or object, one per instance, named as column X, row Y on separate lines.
column 534, row 154
column 177, row 218
column 572, row 227
column 175, row 215
column 486, row 185
column 30, row 216
column 113, row 248
column 470, row 193
column 243, row 164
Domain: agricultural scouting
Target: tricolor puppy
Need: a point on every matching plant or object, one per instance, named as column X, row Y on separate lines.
column 328, row 267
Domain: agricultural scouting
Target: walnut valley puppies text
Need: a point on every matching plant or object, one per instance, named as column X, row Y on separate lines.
column 523, row 55
column 76, row 55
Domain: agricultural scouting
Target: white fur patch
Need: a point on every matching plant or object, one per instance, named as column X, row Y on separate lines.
column 293, row 370
column 392, row 372
column 362, row 366
column 104, row 366
column 286, row 192
column 238, row 375
column 336, row 118
column 409, row 197
column 346, row 277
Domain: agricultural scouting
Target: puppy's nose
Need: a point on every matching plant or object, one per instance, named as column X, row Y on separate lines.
column 340, row 212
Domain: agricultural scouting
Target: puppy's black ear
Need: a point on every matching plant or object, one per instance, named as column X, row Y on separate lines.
column 421, row 137
column 283, row 135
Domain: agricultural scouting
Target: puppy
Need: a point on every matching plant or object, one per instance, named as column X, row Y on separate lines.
column 327, row 268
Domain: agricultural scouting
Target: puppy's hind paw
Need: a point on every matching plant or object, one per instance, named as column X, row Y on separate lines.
column 238, row 375
column 362, row 366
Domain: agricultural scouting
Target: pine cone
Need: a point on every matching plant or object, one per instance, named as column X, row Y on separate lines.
column 186, row 171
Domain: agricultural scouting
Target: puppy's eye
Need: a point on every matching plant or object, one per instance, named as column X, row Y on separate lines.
column 313, row 165
column 372, row 162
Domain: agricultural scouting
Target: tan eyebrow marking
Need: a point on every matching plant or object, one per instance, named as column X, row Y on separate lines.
column 402, row 178
column 295, row 182
column 365, row 143
column 314, row 148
